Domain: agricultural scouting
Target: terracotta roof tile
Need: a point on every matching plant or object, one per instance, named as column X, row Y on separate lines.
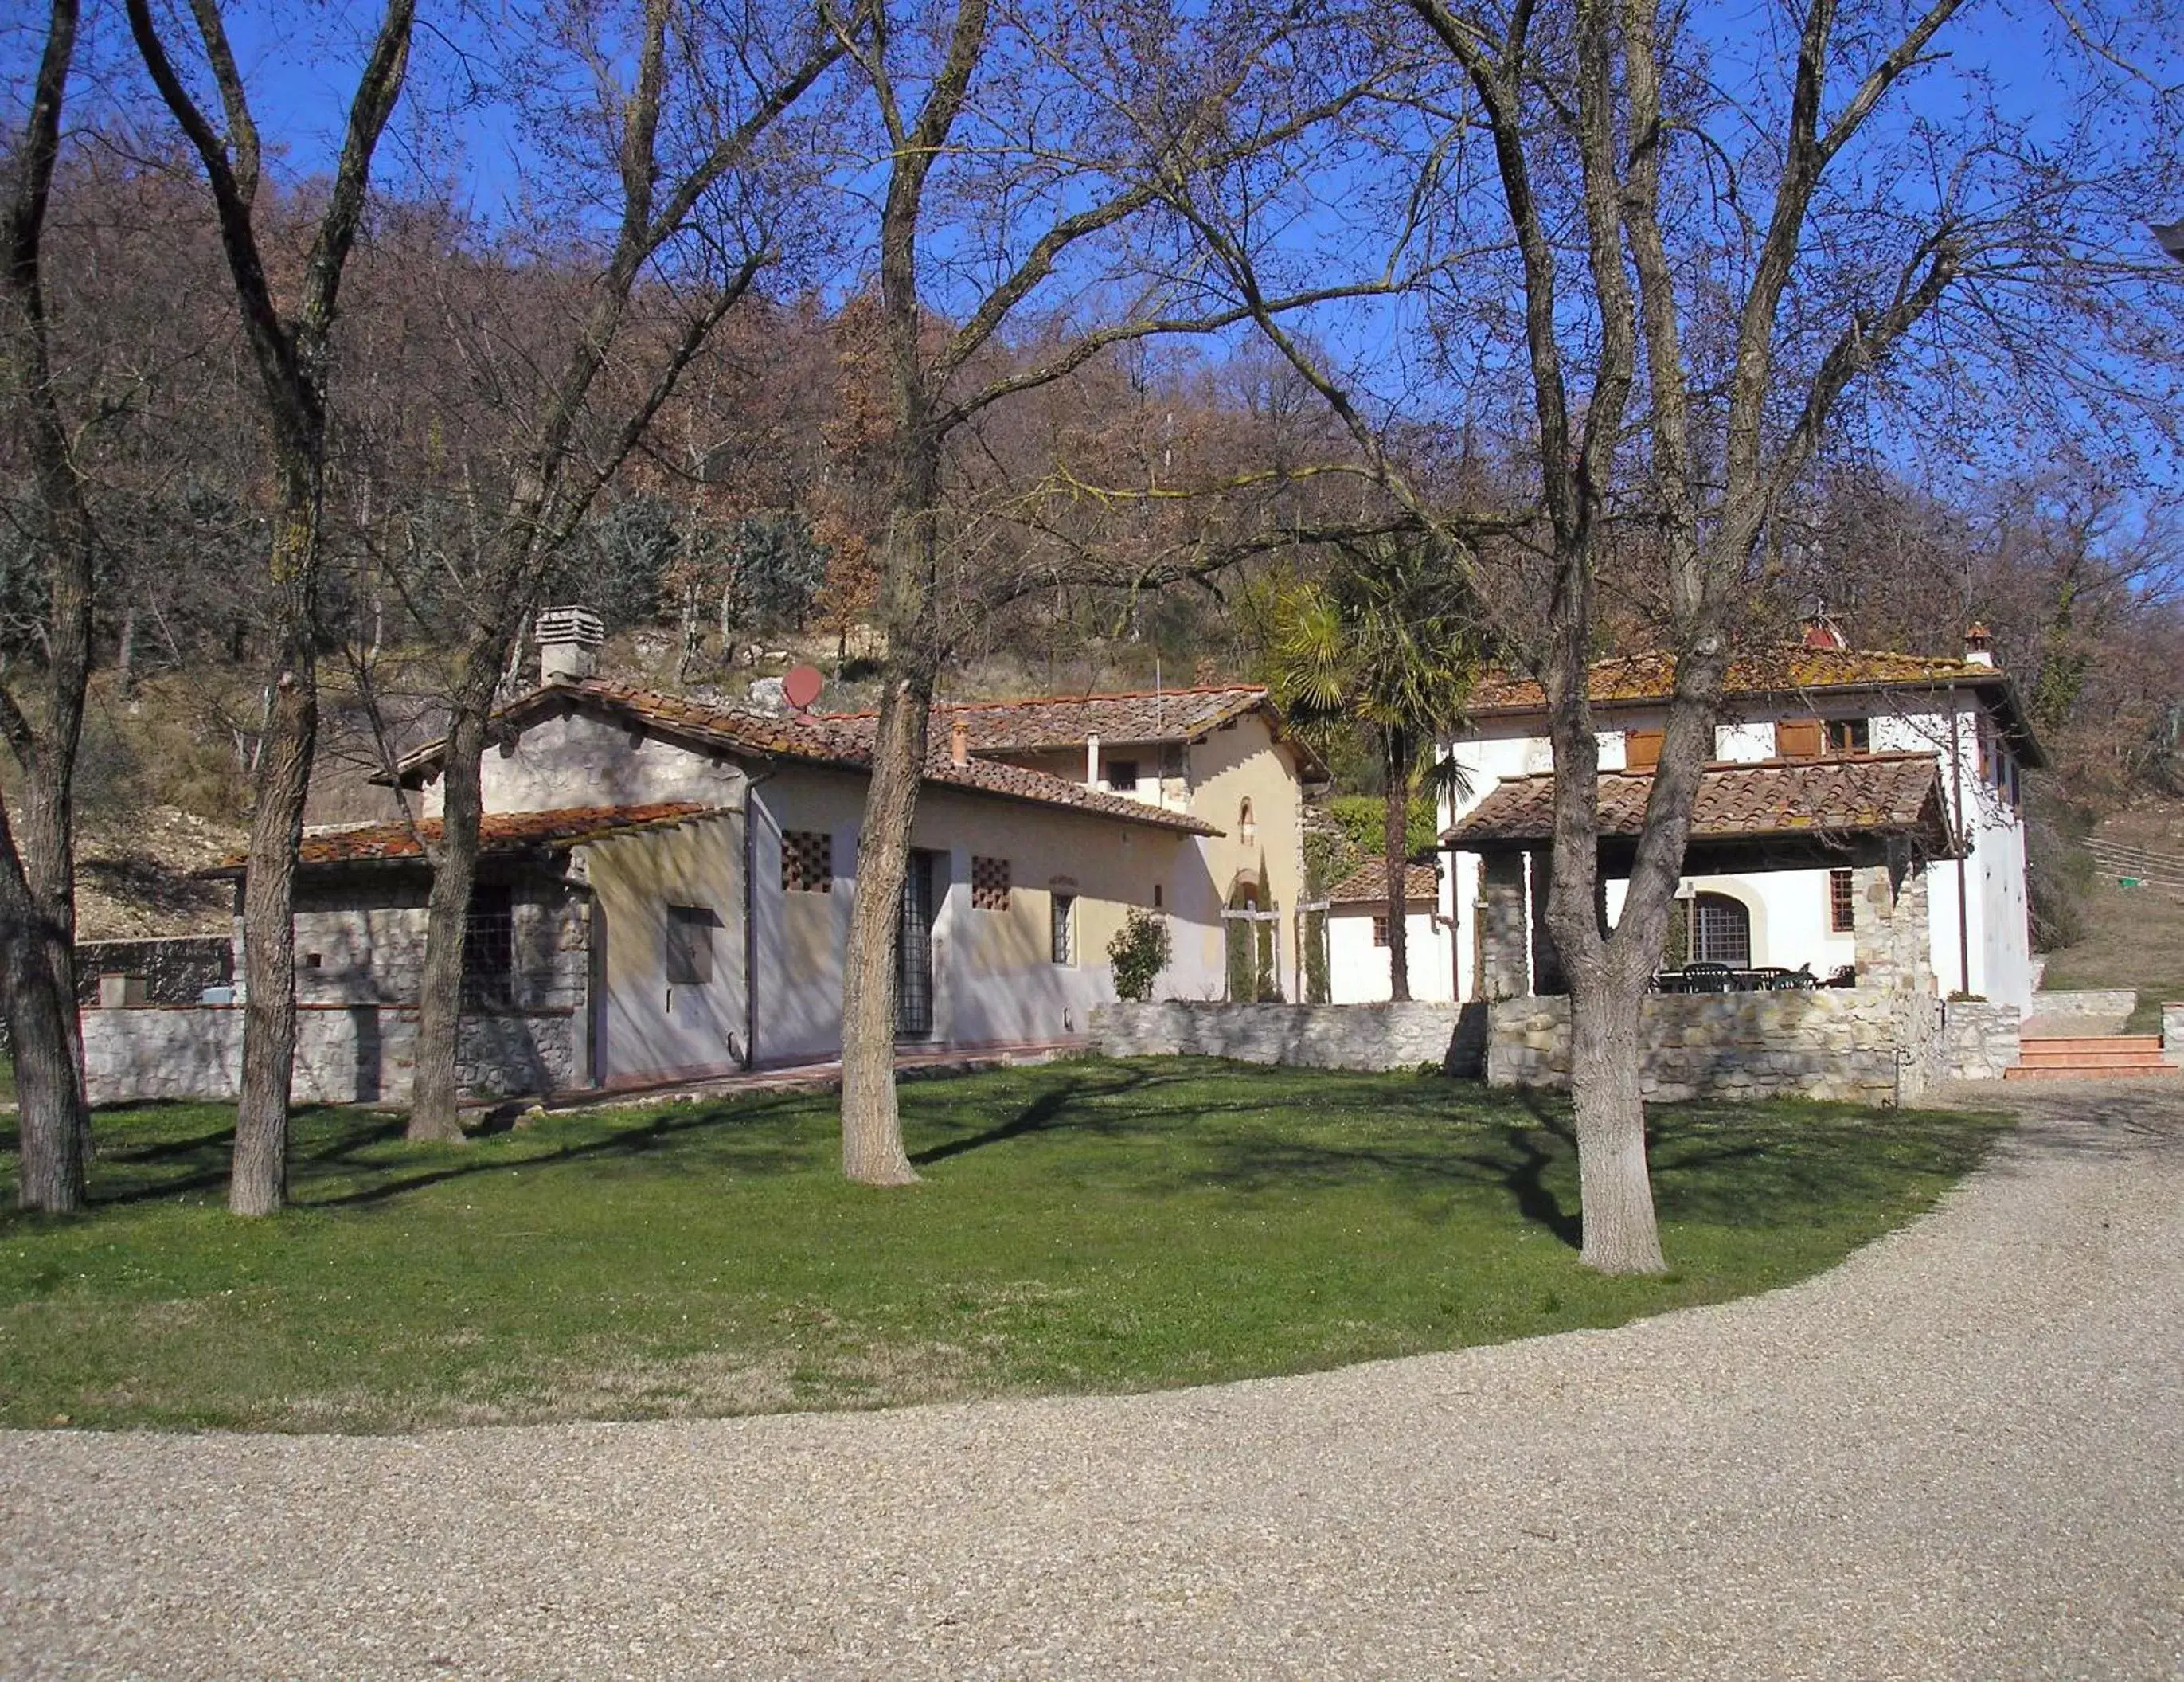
column 844, row 740
column 1368, row 883
column 500, row 833
column 1785, row 670
column 1135, row 719
column 1864, row 794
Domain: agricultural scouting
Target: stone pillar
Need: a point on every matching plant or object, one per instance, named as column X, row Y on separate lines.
column 2172, row 1033
column 1504, row 927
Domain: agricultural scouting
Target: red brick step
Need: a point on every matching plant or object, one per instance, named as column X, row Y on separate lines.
column 2090, row 1056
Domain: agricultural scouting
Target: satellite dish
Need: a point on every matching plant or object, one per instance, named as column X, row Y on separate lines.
column 800, row 686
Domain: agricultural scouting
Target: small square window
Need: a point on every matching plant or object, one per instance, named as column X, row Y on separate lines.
column 989, row 884
column 1064, row 909
column 689, row 936
column 807, row 861
column 1380, row 930
column 1849, row 735
column 1843, row 915
column 1122, row 775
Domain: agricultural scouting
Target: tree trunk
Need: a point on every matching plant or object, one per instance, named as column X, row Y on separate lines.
column 55, row 1126
column 1395, row 854
column 872, row 1122
column 434, row 1115
column 282, row 782
column 1614, row 1188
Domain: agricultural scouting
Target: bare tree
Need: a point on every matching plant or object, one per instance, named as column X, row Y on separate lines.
column 1034, row 159
column 1662, row 281
column 681, row 138
column 38, row 851
column 290, row 349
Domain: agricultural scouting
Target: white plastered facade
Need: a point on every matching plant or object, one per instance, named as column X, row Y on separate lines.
column 1980, row 935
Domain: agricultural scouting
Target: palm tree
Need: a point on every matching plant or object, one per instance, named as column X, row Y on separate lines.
column 1387, row 644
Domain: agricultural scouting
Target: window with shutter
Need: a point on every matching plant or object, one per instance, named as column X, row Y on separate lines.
column 1641, row 749
column 1797, row 738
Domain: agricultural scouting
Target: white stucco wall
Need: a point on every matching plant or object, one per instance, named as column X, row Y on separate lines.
column 1357, row 970
column 1791, row 907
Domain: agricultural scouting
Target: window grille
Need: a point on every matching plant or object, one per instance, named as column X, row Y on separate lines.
column 1065, row 906
column 1380, row 930
column 989, row 884
column 807, row 861
column 1721, row 932
column 689, row 940
column 489, row 946
column 1843, row 915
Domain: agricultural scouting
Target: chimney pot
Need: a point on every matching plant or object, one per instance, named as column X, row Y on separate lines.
column 959, row 744
column 568, row 640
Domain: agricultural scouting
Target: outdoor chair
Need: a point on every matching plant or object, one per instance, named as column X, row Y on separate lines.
column 1710, row 978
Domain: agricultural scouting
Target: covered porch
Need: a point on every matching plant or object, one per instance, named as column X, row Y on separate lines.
column 1798, row 876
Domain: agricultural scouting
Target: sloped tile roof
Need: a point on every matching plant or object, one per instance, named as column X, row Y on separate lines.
column 1370, row 884
column 1858, row 793
column 500, row 833
column 1135, row 719
column 843, row 740
column 1785, row 670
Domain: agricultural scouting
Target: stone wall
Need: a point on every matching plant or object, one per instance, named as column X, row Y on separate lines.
column 175, row 970
column 1838, row 1043
column 357, row 1053
column 1369, row 1037
column 362, row 941
column 1978, row 1039
column 2115, row 1004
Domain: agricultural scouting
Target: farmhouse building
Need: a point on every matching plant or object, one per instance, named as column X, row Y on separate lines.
column 1828, row 762
column 665, row 887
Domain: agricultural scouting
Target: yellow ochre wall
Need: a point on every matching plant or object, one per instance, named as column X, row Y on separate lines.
column 641, row 1027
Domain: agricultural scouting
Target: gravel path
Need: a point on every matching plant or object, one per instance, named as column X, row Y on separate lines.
column 1962, row 1454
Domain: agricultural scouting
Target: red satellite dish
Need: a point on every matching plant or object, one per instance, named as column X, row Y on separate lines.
column 800, row 686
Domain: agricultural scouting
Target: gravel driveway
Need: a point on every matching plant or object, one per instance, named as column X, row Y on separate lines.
column 1961, row 1453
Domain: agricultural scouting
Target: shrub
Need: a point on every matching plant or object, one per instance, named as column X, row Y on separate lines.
column 1139, row 952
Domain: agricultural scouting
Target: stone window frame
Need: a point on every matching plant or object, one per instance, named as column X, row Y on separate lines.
column 989, row 884
column 807, row 861
column 1842, row 901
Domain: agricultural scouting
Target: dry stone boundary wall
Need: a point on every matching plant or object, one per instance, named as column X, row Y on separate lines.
column 359, row 1053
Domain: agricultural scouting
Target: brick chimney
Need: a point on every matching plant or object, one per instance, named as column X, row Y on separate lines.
column 959, row 743
column 1979, row 644
column 1821, row 630
column 568, row 640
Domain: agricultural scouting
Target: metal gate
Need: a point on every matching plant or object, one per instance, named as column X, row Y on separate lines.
column 913, row 952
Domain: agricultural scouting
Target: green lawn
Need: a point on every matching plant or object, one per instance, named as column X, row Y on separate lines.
column 1086, row 1226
